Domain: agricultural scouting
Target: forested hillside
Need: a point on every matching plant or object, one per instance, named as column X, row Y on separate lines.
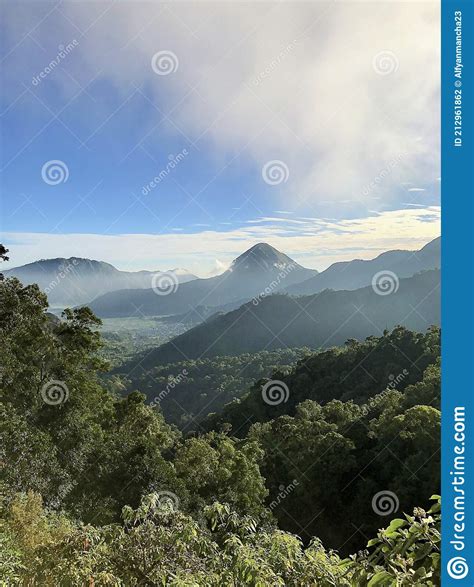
column 101, row 490
column 342, row 454
column 187, row 391
column 356, row 371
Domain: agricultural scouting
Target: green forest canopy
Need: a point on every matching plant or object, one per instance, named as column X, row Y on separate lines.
column 99, row 489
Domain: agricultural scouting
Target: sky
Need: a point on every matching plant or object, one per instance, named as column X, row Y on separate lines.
column 155, row 136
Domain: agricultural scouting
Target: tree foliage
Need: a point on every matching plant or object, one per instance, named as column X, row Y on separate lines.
column 157, row 545
column 355, row 371
column 188, row 391
column 99, row 489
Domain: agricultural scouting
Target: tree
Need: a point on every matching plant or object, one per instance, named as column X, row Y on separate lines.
column 64, row 435
column 3, row 257
column 158, row 545
column 216, row 468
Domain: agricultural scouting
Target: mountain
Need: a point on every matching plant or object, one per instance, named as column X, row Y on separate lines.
column 258, row 272
column 321, row 320
column 358, row 273
column 75, row 281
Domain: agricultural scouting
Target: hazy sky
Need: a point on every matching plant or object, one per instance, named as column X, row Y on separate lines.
column 311, row 126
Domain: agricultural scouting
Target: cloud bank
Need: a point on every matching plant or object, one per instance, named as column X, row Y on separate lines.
column 313, row 242
column 346, row 94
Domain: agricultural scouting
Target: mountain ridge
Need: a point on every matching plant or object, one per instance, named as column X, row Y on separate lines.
column 262, row 270
column 254, row 271
column 319, row 320
column 76, row 280
column 358, row 273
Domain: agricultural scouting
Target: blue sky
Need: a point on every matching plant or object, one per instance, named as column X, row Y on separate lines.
column 208, row 96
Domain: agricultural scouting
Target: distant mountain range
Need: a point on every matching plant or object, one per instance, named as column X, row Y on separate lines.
column 76, row 281
column 320, row 320
column 259, row 271
column 358, row 273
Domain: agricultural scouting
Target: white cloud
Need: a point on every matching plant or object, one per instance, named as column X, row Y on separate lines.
column 293, row 81
column 317, row 244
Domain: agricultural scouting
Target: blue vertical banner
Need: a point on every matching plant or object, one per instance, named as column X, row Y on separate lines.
column 457, row 97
